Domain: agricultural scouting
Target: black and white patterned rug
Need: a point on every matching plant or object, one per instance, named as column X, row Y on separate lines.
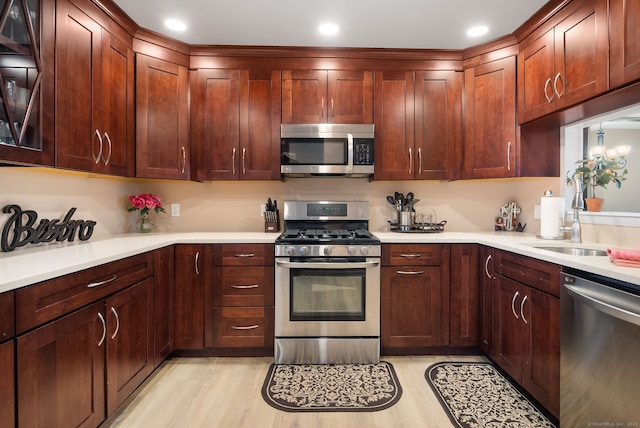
column 477, row 395
column 331, row 387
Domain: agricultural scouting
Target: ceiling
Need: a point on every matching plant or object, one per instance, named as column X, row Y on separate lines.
column 425, row 24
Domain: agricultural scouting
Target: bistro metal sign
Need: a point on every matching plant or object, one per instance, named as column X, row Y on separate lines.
column 21, row 229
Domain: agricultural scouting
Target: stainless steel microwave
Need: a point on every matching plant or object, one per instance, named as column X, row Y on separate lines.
column 326, row 149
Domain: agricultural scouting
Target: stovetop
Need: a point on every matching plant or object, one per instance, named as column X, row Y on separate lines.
column 335, row 236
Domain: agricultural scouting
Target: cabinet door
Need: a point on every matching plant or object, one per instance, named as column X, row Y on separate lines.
column 259, row 125
column 490, row 120
column 78, row 81
column 624, row 56
column 163, row 299
column 535, row 78
column 162, row 119
column 304, row 96
column 582, row 54
column 129, row 341
column 411, row 306
column 61, row 372
column 189, row 296
column 28, row 64
column 541, row 348
column 508, row 337
column 464, row 327
column 117, row 107
column 7, row 386
column 215, row 123
column 438, row 125
column 487, row 284
column 394, row 136
column 350, row 96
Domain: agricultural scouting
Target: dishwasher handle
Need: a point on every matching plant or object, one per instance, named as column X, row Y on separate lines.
column 610, row 302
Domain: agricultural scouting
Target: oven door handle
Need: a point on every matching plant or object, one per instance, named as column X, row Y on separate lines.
column 328, row 265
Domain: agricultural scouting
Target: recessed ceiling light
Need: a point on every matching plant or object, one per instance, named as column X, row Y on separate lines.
column 175, row 25
column 480, row 30
column 328, row 29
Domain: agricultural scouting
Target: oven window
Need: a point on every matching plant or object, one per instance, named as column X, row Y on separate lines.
column 327, row 295
column 314, row 151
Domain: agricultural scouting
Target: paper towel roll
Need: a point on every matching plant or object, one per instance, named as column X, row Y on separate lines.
column 551, row 217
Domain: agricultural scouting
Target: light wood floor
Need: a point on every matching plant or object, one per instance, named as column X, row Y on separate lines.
column 226, row 393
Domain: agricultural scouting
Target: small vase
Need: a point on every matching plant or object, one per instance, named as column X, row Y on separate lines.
column 144, row 224
column 594, row 204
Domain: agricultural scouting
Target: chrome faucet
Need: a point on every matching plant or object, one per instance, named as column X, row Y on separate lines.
column 577, row 205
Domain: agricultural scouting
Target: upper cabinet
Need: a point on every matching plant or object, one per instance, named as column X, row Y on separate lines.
column 94, row 85
column 490, row 143
column 418, row 119
column 327, row 96
column 162, row 119
column 26, row 68
column 235, row 124
column 624, row 20
column 569, row 62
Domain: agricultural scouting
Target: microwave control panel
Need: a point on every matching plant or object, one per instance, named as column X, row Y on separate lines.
column 363, row 151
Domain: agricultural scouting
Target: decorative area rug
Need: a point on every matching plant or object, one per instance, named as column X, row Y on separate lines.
column 477, row 395
column 331, row 387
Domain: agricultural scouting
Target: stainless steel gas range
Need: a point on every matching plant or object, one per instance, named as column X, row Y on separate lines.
column 327, row 285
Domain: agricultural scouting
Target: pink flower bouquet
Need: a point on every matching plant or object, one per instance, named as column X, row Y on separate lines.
column 145, row 202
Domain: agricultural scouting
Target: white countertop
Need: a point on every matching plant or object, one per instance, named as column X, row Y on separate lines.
column 28, row 266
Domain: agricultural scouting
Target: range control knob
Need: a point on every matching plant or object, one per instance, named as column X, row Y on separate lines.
column 351, row 250
column 327, row 251
column 290, row 251
column 364, row 251
column 304, row 251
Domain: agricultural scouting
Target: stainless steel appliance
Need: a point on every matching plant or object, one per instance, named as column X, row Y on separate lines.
column 326, row 149
column 600, row 345
column 327, row 285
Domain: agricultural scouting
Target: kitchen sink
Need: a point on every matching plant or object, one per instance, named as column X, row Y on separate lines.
column 575, row 251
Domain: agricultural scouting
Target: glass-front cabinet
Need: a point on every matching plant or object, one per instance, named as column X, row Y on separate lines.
column 22, row 74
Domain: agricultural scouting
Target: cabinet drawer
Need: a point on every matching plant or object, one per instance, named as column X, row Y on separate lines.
column 242, row 328
column 45, row 301
column 412, row 254
column 535, row 273
column 243, row 254
column 7, row 316
column 244, row 286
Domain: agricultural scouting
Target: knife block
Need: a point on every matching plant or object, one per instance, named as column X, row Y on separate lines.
column 273, row 226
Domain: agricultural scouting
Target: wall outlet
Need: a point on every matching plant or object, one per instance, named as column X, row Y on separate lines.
column 536, row 212
column 175, row 210
column 263, row 208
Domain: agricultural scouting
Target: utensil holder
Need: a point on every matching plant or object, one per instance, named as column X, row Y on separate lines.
column 272, row 226
column 405, row 220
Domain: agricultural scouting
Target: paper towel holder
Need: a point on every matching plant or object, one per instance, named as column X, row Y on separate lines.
column 561, row 232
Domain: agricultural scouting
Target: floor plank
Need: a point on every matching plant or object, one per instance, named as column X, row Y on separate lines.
column 225, row 392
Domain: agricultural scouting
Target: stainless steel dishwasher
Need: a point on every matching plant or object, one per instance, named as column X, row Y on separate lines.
column 600, row 352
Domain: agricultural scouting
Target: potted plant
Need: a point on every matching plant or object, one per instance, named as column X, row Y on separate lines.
column 599, row 169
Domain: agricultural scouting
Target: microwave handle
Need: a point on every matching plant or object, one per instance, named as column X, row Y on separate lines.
column 349, row 152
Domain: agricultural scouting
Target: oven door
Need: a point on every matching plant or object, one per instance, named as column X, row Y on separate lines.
column 327, row 297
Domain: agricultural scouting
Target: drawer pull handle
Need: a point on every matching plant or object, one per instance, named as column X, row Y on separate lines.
column 244, row 287
column 115, row 313
column 249, row 327
column 513, row 302
column 411, row 256
column 244, row 255
column 104, row 329
column 522, row 309
column 404, row 272
column 99, row 283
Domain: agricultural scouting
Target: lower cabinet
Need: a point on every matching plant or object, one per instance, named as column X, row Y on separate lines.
column 526, row 335
column 7, row 385
column 129, row 341
column 464, row 327
column 163, row 300
column 61, row 371
column 414, row 297
column 190, row 266
column 240, row 298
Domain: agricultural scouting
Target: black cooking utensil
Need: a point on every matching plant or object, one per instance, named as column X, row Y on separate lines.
column 391, row 200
